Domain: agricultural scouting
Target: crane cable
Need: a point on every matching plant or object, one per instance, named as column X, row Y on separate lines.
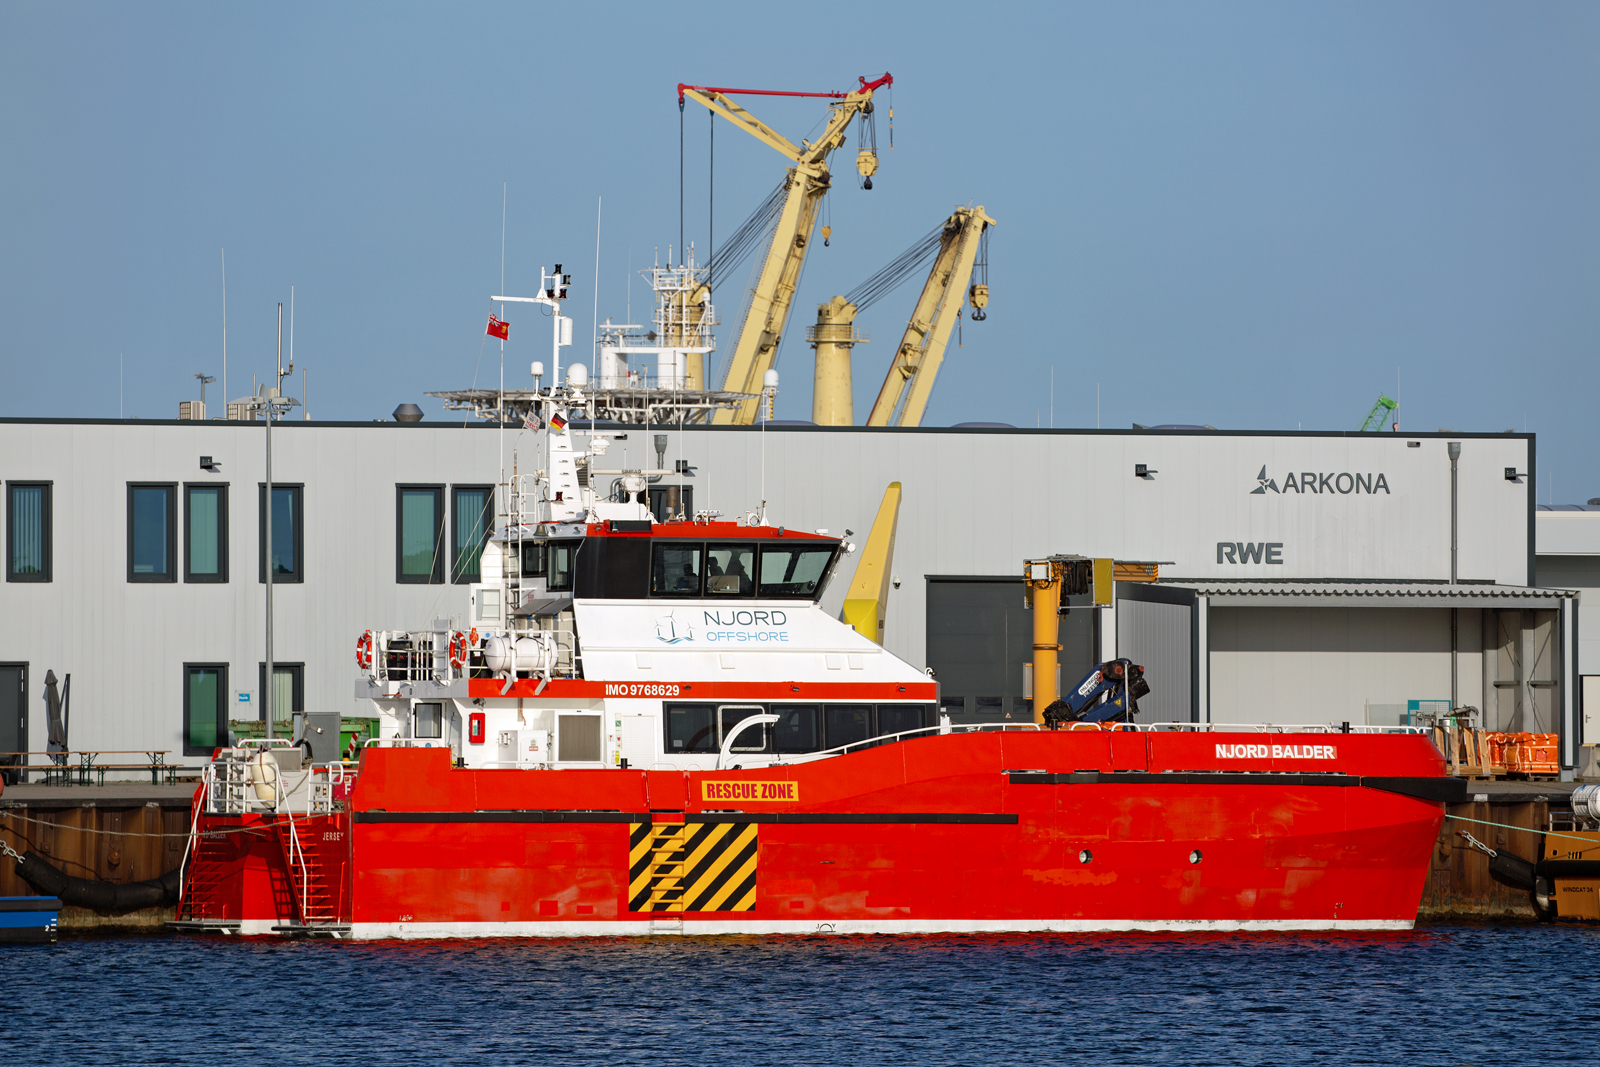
column 890, row 277
column 737, row 248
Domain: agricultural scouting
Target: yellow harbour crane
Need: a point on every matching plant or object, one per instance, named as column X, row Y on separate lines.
column 909, row 383
column 807, row 182
column 957, row 247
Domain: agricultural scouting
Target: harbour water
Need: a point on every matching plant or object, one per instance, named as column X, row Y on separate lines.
column 1438, row 995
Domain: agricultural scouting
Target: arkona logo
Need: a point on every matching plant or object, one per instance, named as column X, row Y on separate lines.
column 1313, row 482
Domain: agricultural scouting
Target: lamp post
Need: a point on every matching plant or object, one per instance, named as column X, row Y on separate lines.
column 272, row 404
column 1454, row 450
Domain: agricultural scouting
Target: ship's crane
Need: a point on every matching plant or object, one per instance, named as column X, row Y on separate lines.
column 909, row 383
column 807, row 182
column 927, row 331
column 1109, row 693
column 1379, row 415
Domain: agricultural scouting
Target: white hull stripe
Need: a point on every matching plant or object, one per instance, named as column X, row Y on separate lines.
column 663, row 925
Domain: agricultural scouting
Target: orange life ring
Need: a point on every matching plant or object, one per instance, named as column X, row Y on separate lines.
column 364, row 651
column 458, row 650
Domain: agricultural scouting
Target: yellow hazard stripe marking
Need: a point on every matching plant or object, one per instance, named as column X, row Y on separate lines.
column 733, row 883
column 679, row 867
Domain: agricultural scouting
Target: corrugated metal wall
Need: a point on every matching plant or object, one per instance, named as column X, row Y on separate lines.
column 975, row 502
column 1159, row 637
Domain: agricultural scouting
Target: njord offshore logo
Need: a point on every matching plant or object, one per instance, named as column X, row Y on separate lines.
column 1343, row 482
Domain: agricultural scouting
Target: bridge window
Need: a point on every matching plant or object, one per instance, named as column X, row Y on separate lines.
column 562, row 556
column 675, row 568
column 533, row 559
column 795, row 571
column 728, row 570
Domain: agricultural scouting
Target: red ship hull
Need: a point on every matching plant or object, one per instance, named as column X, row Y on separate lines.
column 1024, row 831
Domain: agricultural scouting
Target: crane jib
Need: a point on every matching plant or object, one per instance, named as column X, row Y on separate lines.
column 866, row 87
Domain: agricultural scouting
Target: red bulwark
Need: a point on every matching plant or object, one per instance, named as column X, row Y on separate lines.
column 1089, row 829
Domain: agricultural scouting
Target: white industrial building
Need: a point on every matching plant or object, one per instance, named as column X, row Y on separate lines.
column 1305, row 577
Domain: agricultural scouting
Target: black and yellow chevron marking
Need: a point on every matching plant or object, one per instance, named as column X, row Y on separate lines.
column 692, row 867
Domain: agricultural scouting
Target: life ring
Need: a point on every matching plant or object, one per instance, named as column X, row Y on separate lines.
column 364, row 651
column 458, row 650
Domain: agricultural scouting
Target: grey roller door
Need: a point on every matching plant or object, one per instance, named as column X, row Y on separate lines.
column 979, row 637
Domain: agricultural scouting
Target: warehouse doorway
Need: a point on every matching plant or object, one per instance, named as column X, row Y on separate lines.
column 979, row 637
column 13, row 717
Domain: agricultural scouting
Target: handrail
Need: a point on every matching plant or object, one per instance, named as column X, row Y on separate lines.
column 733, row 735
column 880, row 739
column 1274, row 728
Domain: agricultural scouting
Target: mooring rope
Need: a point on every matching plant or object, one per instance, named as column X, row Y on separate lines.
column 1524, row 829
column 121, row 833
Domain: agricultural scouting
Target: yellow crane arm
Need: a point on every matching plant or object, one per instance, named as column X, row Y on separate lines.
column 770, row 302
column 718, row 102
column 909, row 383
column 868, row 598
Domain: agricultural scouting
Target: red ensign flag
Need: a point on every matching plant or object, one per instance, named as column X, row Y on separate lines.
column 499, row 329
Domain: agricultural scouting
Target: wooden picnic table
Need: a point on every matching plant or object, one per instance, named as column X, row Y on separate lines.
column 62, row 769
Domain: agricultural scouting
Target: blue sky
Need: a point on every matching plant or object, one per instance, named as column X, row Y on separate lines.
column 1252, row 215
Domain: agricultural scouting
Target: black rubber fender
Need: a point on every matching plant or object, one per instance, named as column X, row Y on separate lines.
column 1510, row 869
column 105, row 897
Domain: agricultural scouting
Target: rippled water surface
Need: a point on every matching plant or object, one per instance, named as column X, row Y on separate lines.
column 1440, row 995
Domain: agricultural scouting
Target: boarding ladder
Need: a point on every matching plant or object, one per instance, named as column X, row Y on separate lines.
column 314, row 897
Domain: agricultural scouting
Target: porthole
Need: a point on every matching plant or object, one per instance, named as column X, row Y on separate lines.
column 1194, row 857
column 1085, row 856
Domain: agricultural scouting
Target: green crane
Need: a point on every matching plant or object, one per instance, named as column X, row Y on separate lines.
column 1377, row 416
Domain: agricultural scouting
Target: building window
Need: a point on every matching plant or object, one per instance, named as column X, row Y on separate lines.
column 419, row 534
column 288, row 690
column 205, row 533
column 152, row 529
column 205, row 721
column 671, row 502
column 472, row 520
column 28, row 532
column 288, row 533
